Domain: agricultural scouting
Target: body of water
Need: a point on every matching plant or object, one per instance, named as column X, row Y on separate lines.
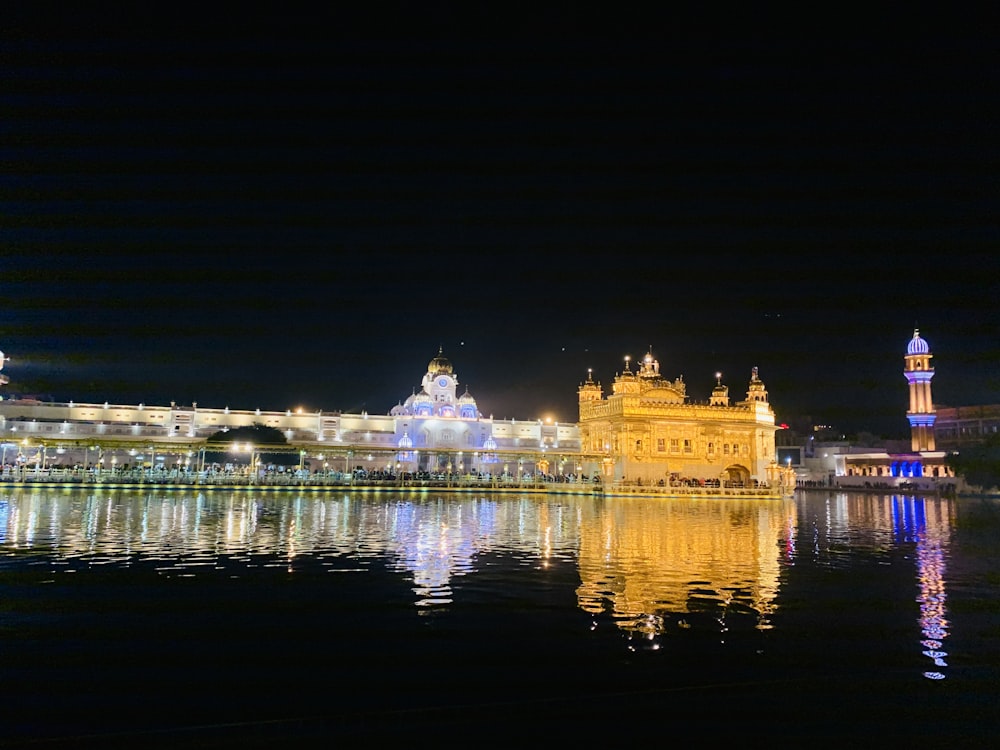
column 248, row 618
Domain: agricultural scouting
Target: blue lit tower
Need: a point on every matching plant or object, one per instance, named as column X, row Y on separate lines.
column 918, row 374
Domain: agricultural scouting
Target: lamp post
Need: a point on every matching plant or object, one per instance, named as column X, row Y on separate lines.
column 253, row 460
column 22, row 458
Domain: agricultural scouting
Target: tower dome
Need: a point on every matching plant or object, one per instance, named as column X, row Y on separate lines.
column 720, row 389
column 440, row 364
column 917, row 345
column 720, row 394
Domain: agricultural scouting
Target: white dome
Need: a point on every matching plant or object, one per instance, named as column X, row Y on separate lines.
column 917, row 345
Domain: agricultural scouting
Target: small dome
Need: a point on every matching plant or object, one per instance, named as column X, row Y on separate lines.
column 917, row 345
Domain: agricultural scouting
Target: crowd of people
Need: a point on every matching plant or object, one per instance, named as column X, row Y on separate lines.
column 275, row 475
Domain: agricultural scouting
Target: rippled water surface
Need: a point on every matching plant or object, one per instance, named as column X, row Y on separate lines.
column 238, row 618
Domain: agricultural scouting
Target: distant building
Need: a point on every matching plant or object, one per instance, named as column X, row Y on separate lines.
column 965, row 425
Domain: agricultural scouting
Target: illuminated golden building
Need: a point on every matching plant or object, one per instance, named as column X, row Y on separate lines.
column 651, row 433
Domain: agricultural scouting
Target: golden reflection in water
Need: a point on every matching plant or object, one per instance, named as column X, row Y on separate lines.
column 651, row 563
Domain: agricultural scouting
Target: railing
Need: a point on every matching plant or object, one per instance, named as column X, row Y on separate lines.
column 178, row 477
column 679, row 489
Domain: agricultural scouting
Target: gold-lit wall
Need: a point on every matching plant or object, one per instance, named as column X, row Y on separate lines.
column 651, row 433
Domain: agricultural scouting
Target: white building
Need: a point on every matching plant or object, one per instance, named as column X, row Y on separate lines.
column 432, row 430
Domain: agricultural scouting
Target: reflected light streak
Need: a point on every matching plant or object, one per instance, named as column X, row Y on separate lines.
column 931, row 536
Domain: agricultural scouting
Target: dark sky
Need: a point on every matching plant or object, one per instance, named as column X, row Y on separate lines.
column 287, row 215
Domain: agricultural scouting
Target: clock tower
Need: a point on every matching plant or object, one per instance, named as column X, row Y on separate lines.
column 440, row 382
column 918, row 372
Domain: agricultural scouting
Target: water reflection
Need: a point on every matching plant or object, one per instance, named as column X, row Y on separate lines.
column 931, row 535
column 855, row 523
column 650, row 566
column 657, row 566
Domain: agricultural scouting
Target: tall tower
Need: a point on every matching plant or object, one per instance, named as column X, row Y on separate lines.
column 918, row 374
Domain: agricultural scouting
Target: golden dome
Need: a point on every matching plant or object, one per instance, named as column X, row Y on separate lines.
column 440, row 364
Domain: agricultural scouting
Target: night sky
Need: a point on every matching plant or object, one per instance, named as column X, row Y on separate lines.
column 299, row 214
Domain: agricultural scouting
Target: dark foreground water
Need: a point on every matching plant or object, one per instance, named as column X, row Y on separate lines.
column 180, row 618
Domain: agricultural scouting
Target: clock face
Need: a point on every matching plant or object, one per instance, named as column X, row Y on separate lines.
column 443, row 382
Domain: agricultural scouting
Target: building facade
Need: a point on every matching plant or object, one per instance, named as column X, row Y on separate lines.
column 649, row 432
column 958, row 426
column 646, row 430
column 434, row 430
